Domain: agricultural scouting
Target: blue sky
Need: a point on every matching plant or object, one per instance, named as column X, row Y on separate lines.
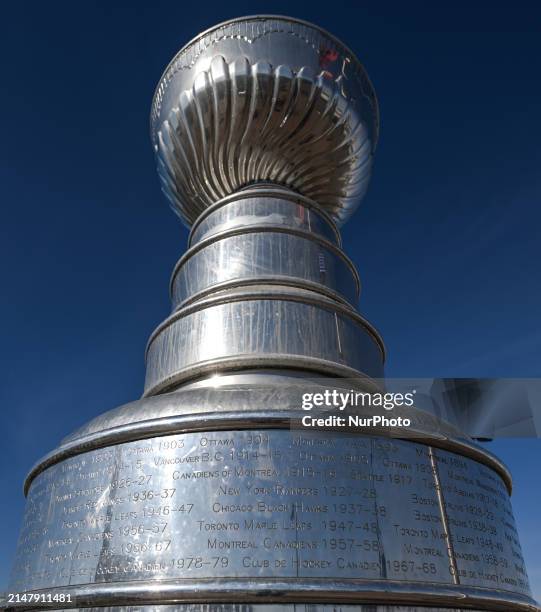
column 446, row 242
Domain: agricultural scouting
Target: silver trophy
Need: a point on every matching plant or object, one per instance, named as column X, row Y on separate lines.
column 208, row 493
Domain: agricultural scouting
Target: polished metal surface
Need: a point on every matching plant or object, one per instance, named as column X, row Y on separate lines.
column 284, row 99
column 210, row 493
column 264, row 205
column 263, row 257
column 264, row 240
column 286, row 327
column 264, row 284
column 273, row 505
column 251, row 400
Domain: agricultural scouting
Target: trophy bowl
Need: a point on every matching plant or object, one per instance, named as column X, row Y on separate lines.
column 264, row 99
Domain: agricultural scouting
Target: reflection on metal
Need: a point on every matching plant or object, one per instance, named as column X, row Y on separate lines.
column 264, row 99
column 287, row 327
column 209, row 493
column 261, row 254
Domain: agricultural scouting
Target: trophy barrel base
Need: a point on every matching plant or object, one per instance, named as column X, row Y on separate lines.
column 271, row 519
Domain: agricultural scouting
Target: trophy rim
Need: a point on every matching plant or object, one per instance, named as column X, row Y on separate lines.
column 153, row 107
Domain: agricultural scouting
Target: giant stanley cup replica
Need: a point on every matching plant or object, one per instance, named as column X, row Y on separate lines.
column 202, row 495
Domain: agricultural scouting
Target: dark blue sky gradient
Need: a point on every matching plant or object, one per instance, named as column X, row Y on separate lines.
column 446, row 242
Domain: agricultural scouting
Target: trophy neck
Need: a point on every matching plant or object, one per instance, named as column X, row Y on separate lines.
column 264, row 285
